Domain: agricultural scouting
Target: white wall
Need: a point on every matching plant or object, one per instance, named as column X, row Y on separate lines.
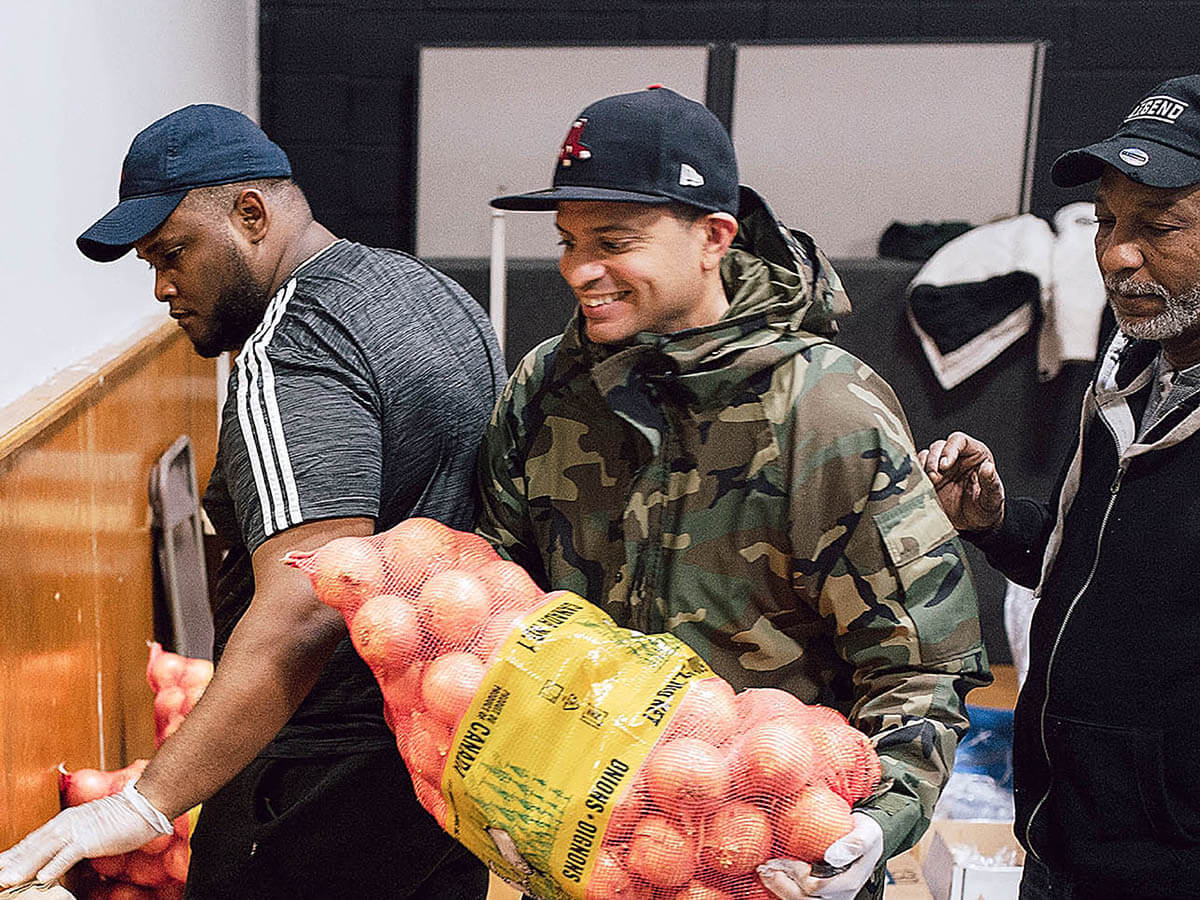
column 78, row 79
column 839, row 139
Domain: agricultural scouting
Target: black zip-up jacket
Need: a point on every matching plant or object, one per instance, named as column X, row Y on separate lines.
column 1107, row 743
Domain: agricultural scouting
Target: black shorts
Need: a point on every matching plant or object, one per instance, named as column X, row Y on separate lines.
column 335, row 827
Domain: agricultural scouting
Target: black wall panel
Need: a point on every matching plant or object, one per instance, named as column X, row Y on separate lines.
column 339, row 93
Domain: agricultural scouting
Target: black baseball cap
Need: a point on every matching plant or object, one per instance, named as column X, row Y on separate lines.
column 651, row 146
column 1158, row 144
column 197, row 146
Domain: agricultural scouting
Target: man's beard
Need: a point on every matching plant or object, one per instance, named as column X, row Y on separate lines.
column 237, row 311
column 1180, row 311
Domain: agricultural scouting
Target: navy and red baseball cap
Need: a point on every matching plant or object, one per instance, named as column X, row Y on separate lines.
column 653, row 146
column 1158, row 143
column 197, row 146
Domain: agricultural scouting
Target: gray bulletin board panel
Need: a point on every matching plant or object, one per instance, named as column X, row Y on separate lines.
column 843, row 139
column 492, row 120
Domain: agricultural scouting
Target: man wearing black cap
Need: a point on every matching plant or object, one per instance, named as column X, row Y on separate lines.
column 695, row 455
column 361, row 385
column 1105, row 749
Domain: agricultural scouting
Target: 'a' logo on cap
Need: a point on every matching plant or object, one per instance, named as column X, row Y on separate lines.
column 573, row 146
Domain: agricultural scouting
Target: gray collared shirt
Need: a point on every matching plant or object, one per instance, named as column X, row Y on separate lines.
column 1171, row 387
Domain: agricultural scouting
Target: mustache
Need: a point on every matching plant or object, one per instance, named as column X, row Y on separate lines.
column 1128, row 286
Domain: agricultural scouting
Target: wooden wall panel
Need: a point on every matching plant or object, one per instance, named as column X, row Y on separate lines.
column 76, row 570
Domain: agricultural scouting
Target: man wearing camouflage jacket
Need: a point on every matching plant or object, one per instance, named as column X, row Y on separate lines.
column 694, row 455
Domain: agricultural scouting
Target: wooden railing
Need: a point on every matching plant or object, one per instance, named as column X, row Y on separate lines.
column 76, row 573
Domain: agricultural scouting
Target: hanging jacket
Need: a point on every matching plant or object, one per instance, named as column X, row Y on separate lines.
column 753, row 489
column 1105, row 749
column 984, row 290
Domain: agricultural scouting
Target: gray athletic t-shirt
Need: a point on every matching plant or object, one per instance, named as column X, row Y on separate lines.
column 364, row 392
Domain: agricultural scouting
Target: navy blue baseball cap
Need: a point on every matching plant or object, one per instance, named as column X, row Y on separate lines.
column 1158, row 143
column 196, row 146
column 651, row 146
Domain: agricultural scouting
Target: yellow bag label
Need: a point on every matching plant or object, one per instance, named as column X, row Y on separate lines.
column 564, row 719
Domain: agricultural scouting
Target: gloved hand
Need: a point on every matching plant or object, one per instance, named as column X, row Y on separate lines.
column 508, row 849
column 860, row 850
column 104, row 827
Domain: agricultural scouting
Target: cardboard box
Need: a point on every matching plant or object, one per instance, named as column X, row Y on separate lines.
column 905, row 880
column 948, row 880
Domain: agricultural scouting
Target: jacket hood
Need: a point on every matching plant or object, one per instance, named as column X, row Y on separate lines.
column 781, row 273
column 783, row 296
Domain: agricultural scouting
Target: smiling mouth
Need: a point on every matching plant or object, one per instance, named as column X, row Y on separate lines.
column 600, row 300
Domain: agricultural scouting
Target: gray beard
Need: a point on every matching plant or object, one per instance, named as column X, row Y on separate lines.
column 1181, row 311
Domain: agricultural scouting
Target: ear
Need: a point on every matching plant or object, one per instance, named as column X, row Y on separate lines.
column 719, row 231
column 249, row 215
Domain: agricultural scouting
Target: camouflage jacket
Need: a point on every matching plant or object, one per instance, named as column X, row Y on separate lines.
column 753, row 489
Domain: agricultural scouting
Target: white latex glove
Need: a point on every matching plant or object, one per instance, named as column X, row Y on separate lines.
column 508, row 849
column 859, row 850
column 104, row 827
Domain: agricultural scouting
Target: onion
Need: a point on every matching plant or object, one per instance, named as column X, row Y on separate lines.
column 661, row 853
column 757, row 705
column 386, row 633
column 457, row 605
column 737, row 839
column 449, row 686
column 851, row 765
column 168, row 702
column 776, row 759
column 472, row 551
column 609, row 878
column 686, row 776
column 428, row 744
column 625, row 814
column 414, row 550
column 810, row 823
column 83, row 785
column 158, row 845
column 402, row 689
column 110, row 866
column 706, row 711
column 494, row 633
column 145, row 869
column 344, row 572
column 509, row 586
column 175, row 860
column 164, row 668
column 698, row 890
column 196, row 674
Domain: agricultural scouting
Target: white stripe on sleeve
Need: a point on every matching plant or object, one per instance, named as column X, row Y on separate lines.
column 252, row 421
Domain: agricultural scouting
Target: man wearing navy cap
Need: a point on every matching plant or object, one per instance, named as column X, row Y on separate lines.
column 695, row 455
column 1105, row 749
column 349, row 359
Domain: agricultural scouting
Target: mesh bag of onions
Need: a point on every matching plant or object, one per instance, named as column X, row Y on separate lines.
column 619, row 763
column 156, row 871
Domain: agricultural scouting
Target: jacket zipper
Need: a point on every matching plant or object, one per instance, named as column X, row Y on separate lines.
column 1112, row 499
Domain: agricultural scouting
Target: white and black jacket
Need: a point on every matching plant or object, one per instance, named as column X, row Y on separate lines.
column 1106, row 753
column 982, row 291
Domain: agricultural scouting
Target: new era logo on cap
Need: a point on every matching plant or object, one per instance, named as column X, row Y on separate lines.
column 689, row 177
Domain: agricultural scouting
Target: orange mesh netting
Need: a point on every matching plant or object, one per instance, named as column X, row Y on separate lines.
column 726, row 782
